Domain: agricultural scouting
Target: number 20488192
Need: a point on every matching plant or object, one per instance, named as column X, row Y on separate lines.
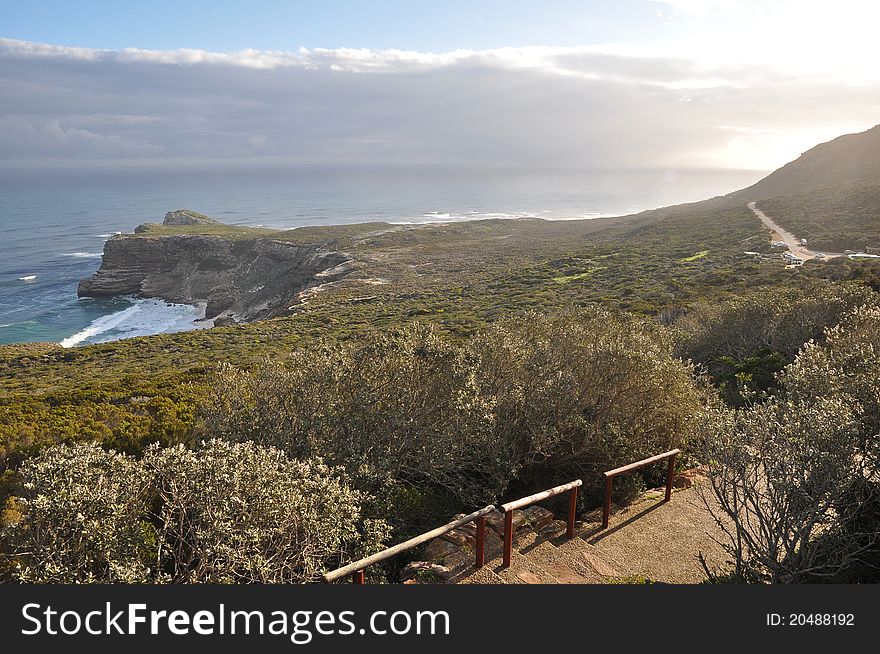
column 811, row 620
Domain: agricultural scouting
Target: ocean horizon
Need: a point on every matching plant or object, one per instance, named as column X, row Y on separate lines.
column 53, row 225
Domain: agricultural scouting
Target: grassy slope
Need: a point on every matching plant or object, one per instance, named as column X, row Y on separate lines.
column 458, row 276
column 830, row 195
column 835, row 218
column 846, row 159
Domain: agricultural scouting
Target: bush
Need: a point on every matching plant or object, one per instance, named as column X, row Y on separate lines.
column 82, row 519
column 222, row 513
column 745, row 341
column 782, row 473
column 580, row 391
column 243, row 513
column 400, row 411
column 430, row 425
column 846, row 365
column 797, row 474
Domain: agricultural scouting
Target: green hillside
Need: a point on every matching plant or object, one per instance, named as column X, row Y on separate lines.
column 846, row 159
column 834, row 218
column 453, row 364
column 459, row 277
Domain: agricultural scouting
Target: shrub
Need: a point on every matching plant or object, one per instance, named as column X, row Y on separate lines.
column 846, row 365
column 427, row 424
column 242, row 513
column 797, row 475
column 400, row 411
column 82, row 519
column 222, row 513
column 579, row 391
column 745, row 341
column 783, row 473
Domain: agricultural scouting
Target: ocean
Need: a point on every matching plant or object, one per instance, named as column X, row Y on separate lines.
column 53, row 225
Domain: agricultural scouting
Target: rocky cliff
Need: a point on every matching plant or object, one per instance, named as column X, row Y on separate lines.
column 179, row 218
column 252, row 278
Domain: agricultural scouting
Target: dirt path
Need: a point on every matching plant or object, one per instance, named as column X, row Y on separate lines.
column 647, row 539
column 793, row 243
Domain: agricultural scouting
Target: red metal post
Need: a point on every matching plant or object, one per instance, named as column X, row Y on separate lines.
column 508, row 538
column 606, row 513
column 669, row 476
column 358, row 578
column 572, row 509
column 481, row 541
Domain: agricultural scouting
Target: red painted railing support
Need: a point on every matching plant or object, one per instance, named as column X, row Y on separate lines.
column 611, row 474
column 481, row 541
column 508, row 538
column 508, row 509
column 572, row 510
column 356, row 569
column 606, row 511
column 669, row 475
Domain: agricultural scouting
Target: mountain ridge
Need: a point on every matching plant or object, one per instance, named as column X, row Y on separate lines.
column 845, row 159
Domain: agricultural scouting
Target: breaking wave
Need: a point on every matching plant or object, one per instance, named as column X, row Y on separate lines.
column 143, row 318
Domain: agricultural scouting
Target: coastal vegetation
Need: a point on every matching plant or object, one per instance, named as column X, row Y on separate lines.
column 426, row 423
column 450, row 366
column 834, row 219
column 796, row 473
column 459, row 278
column 218, row 513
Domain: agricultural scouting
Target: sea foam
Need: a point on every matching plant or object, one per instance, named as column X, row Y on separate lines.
column 143, row 318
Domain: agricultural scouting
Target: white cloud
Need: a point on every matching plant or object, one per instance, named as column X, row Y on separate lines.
column 588, row 62
column 21, row 136
column 702, row 7
column 538, row 107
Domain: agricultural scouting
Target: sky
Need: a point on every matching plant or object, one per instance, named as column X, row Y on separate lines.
column 559, row 84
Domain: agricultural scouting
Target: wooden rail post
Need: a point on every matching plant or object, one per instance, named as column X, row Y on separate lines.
column 669, row 476
column 481, row 541
column 611, row 474
column 508, row 509
column 508, row 537
column 356, row 569
column 572, row 510
column 606, row 511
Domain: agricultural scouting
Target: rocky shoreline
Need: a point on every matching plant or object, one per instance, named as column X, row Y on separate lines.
column 239, row 279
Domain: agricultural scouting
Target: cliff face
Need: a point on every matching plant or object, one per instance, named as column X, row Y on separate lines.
column 252, row 278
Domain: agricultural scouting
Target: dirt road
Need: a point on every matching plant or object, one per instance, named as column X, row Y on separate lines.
column 793, row 243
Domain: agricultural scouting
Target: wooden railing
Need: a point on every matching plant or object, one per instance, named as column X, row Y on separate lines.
column 356, row 569
column 611, row 474
column 508, row 509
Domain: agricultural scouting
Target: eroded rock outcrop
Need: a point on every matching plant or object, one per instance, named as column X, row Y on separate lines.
column 251, row 278
column 187, row 217
column 178, row 218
